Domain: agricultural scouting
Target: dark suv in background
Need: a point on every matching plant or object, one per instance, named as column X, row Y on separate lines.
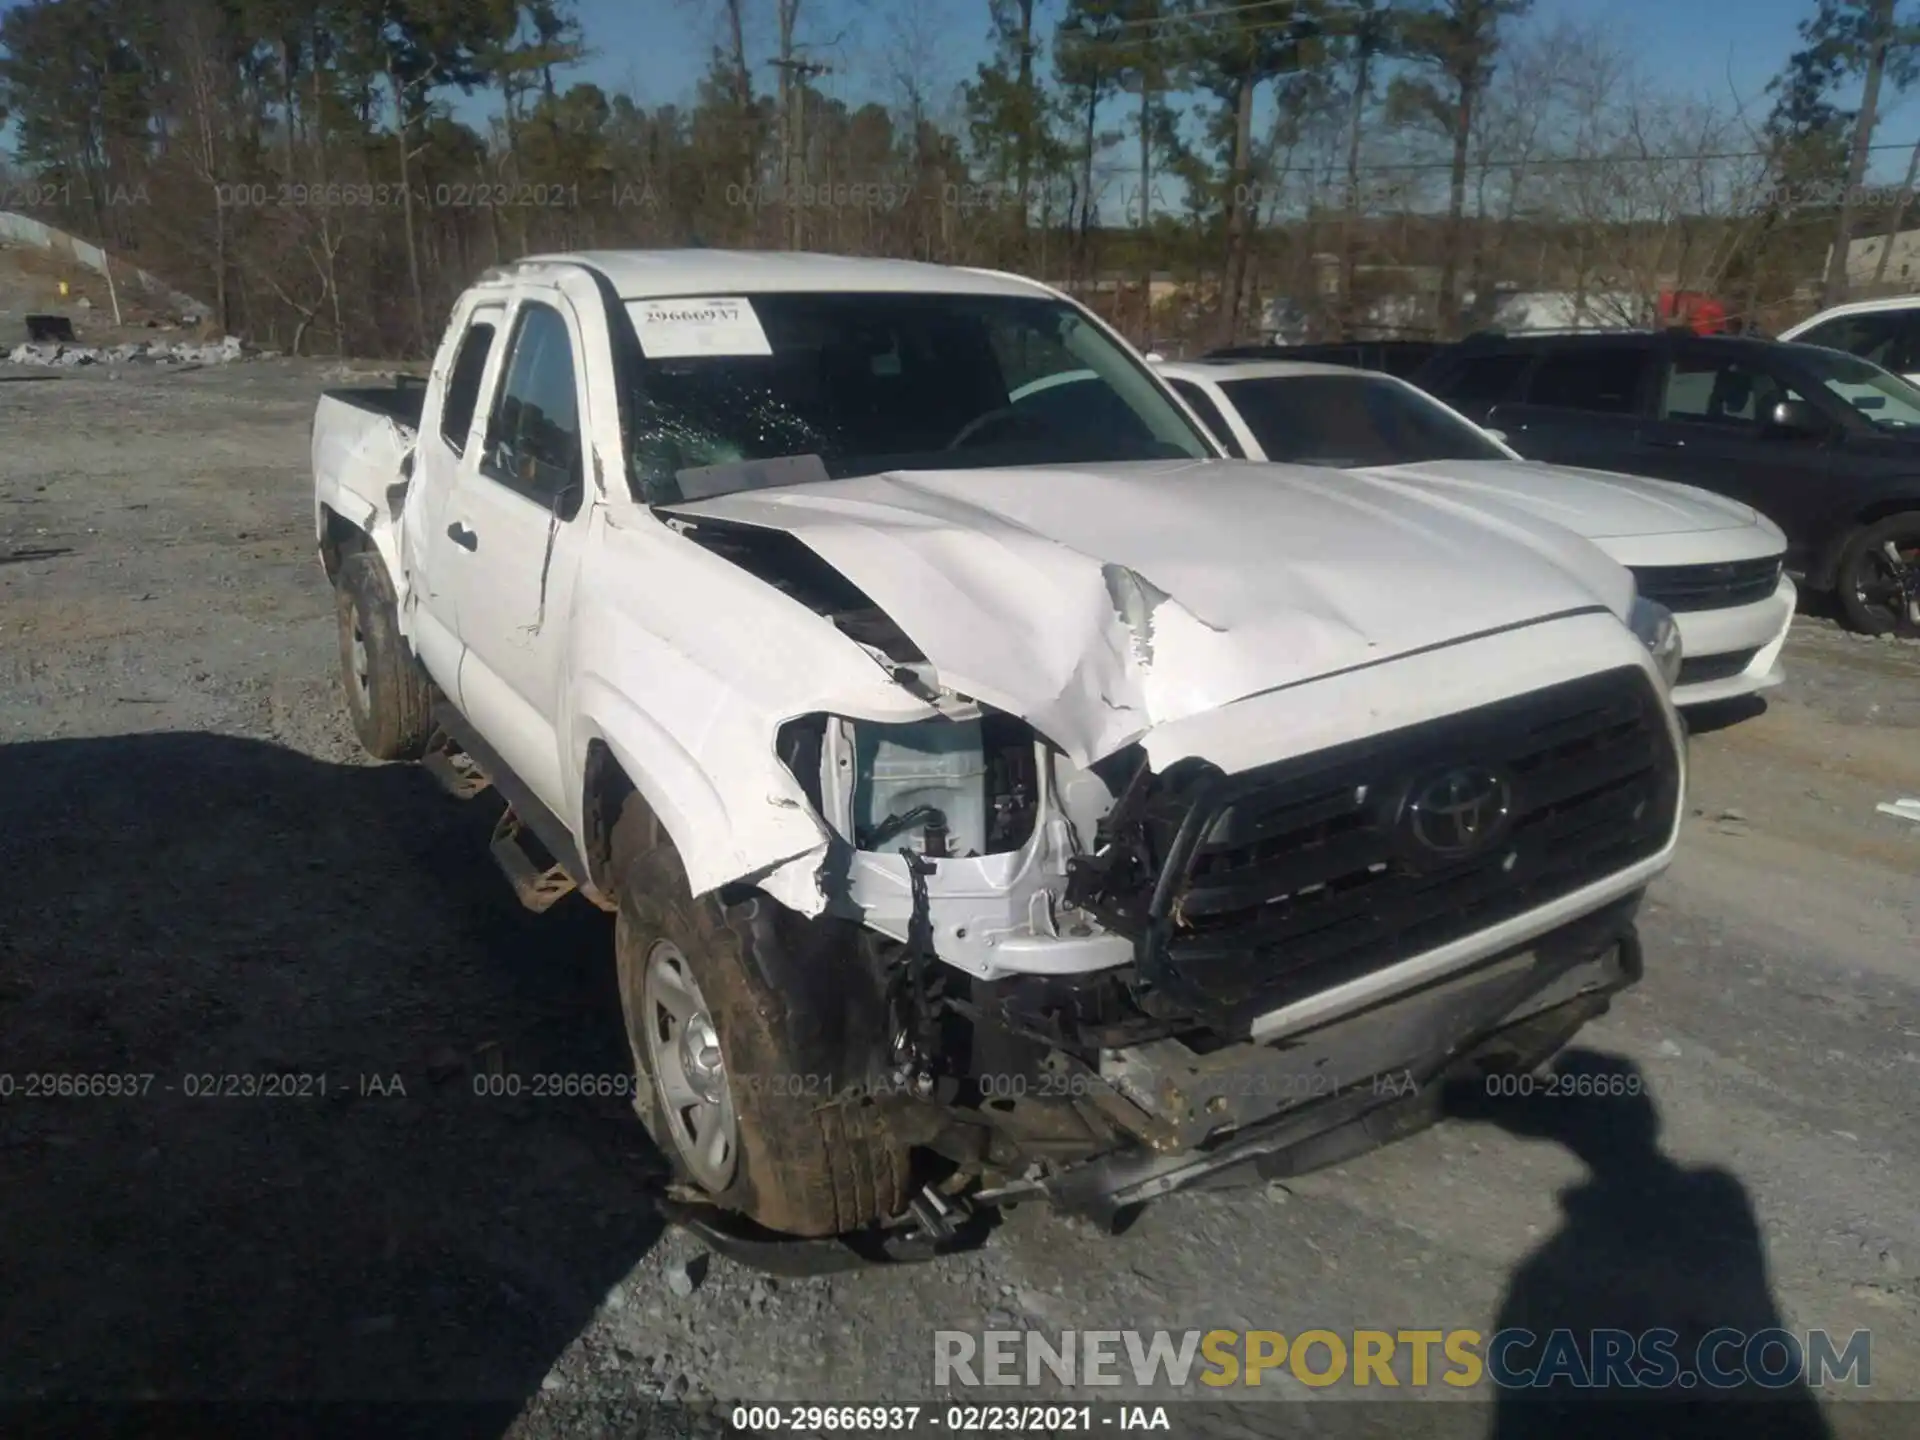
column 1824, row 444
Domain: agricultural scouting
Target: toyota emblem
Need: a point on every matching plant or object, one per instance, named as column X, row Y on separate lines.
column 1460, row 812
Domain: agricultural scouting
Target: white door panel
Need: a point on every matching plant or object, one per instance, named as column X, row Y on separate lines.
column 522, row 512
column 441, row 457
column 511, row 594
column 438, row 649
column 430, row 596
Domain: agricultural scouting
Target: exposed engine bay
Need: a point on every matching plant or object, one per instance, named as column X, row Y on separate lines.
column 993, row 813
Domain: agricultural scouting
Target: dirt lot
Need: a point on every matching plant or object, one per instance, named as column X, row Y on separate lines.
column 199, row 878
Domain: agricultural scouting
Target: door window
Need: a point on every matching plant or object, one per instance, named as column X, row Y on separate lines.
column 1482, row 379
column 533, row 435
column 1880, row 336
column 1716, row 391
column 1600, row 380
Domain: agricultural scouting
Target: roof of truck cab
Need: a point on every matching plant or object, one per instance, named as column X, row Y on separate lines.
column 663, row 274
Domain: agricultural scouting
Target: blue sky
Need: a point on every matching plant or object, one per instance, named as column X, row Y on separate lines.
column 1695, row 44
column 1719, row 49
column 656, row 49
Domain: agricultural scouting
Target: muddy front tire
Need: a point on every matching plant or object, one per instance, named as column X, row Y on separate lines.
column 389, row 698
column 749, row 1024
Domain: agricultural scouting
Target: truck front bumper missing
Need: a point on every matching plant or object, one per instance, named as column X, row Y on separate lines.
column 1510, row 1013
column 1355, row 1083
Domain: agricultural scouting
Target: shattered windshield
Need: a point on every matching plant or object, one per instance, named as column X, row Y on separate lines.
column 747, row 392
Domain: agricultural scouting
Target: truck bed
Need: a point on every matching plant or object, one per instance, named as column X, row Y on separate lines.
column 402, row 401
column 361, row 442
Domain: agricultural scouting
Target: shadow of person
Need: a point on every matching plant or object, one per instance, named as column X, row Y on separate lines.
column 1646, row 1246
column 274, row 1123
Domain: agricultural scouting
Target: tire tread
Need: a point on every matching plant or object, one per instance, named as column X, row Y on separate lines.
column 398, row 721
column 1859, row 618
column 808, row 1166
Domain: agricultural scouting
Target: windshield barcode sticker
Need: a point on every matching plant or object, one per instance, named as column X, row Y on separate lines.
column 670, row 329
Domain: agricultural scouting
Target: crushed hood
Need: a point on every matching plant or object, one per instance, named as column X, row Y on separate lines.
column 1598, row 504
column 1099, row 603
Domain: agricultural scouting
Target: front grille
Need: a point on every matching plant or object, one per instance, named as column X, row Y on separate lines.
column 1703, row 668
column 1279, row 882
column 1709, row 587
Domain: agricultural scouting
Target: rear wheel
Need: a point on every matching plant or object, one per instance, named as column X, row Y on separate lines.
column 749, row 1024
column 389, row 698
column 1879, row 579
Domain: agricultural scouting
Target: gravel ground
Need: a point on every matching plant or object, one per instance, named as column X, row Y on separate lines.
column 200, row 878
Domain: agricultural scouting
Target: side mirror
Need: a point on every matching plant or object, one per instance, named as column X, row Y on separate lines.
column 1498, row 435
column 1795, row 420
column 1154, row 357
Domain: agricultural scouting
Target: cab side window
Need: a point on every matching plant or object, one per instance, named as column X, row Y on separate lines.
column 463, row 384
column 533, row 435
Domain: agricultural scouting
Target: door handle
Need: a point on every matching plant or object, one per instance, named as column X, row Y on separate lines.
column 1663, row 444
column 462, row 536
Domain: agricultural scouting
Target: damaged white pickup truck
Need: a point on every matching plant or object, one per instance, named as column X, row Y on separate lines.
column 998, row 799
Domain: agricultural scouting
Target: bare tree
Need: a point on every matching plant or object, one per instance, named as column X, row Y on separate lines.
column 1654, row 189
column 1865, row 33
column 403, row 92
column 1452, row 47
column 917, row 41
column 1368, row 32
column 205, row 82
column 1518, row 133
